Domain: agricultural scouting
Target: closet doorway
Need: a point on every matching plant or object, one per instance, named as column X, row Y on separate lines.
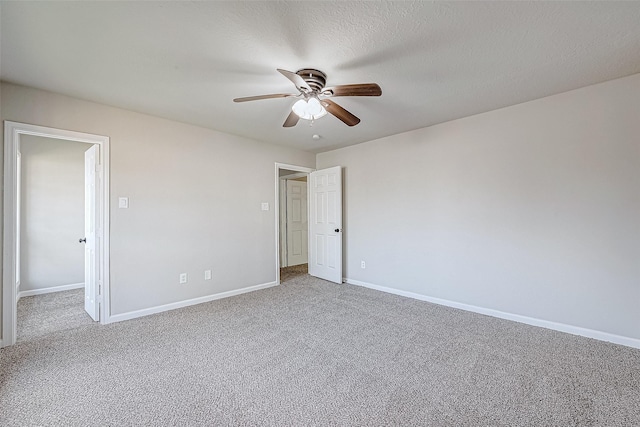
column 292, row 221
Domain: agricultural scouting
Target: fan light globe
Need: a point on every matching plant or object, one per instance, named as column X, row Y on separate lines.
column 309, row 110
column 300, row 108
column 313, row 107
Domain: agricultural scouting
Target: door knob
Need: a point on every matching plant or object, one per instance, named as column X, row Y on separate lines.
column 337, row 230
column 83, row 240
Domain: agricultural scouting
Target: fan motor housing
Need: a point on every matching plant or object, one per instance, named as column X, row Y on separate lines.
column 316, row 79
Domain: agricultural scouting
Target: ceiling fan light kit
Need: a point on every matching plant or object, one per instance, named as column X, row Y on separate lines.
column 310, row 109
column 314, row 103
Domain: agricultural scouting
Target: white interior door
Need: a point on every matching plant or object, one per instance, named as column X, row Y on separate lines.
column 91, row 302
column 325, row 224
column 18, row 218
column 297, row 225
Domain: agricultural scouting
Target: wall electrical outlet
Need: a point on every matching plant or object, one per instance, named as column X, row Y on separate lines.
column 207, row 275
column 183, row 278
column 363, row 264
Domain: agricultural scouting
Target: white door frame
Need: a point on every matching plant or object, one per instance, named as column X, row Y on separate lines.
column 282, row 223
column 12, row 132
column 277, row 207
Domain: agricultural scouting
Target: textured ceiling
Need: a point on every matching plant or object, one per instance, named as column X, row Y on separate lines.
column 434, row 61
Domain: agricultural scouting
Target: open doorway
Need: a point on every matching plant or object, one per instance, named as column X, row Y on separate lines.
column 56, row 221
column 292, row 221
column 50, row 257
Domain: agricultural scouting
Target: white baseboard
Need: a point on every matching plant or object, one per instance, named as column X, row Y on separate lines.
column 561, row 327
column 180, row 304
column 50, row 290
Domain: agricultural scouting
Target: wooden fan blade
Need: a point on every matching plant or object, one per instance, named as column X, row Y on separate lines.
column 333, row 108
column 255, row 98
column 291, row 120
column 296, row 79
column 362, row 89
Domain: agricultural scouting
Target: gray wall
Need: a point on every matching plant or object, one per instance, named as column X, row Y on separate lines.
column 52, row 212
column 189, row 208
column 532, row 209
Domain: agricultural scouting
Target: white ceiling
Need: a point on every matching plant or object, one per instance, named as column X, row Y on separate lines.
column 434, row 61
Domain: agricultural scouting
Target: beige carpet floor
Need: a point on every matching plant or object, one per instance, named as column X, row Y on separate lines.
column 290, row 273
column 41, row 315
column 308, row 353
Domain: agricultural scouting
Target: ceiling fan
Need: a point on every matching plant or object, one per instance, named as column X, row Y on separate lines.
column 313, row 96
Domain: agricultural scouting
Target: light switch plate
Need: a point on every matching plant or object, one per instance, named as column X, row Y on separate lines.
column 265, row 206
column 123, row 202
